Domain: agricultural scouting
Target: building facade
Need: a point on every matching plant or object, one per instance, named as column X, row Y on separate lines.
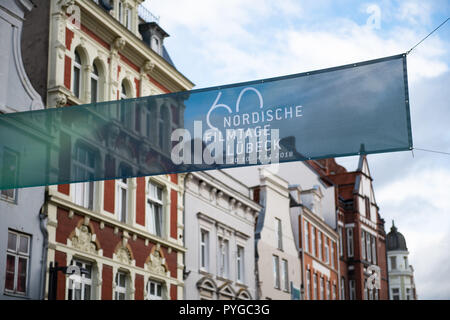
column 401, row 273
column 362, row 239
column 318, row 244
column 275, row 243
column 22, row 227
column 127, row 234
column 219, row 237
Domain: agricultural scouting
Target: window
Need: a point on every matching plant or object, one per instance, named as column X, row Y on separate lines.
column 223, row 257
column 279, row 234
column 367, row 202
column 155, row 209
column 276, row 272
column 319, row 235
column 163, row 120
column 83, row 291
column 306, row 237
column 342, row 288
column 376, row 294
column 120, row 16
column 84, row 167
column 122, row 198
column 308, row 284
column 405, row 259
column 393, row 263
column 128, row 18
column 9, row 174
column 366, row 290
column 313, row 241
column 327, row 251
column 94, row 84
column 156, row 45
column 350, row 242
column 341, row 237
column 363, row 245
column 374, row 250
column 315, row 287
column 351, row 284
column 154, row 290
column 395, row 294
column 334, row 292
column 204, row 250
column 240, row 263
column 123, row 116
column 328, row 290
column 369, row 247
column 121, row 286
column 76, row 85
column 408, row 294
column 17, row 258
column 285, row 275
column 322, row 297
column 332, row 254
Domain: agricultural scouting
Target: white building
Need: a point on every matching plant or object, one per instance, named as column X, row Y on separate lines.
column 401, row 273
column 219, row 224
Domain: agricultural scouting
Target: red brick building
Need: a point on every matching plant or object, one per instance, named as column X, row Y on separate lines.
column 128, row 233
column 362, row 238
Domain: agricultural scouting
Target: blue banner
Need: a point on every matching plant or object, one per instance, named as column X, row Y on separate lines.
column 355, row 109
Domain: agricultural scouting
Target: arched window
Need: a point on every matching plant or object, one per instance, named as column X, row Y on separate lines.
column 76, row 85
column 122, row 114
column 94, row 84
column 123, row 91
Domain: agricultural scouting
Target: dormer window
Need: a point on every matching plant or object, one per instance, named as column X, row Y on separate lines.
column 156, row 45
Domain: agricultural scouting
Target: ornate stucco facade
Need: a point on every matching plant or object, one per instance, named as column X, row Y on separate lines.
column 219, row 236
column 127, row 234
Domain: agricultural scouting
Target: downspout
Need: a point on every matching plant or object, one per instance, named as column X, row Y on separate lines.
column 43, row 226
column 302, row 253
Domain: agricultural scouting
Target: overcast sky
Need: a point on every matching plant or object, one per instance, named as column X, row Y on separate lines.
column 219, row 42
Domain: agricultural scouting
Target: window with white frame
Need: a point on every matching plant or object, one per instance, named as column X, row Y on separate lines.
column 363, row 245
column 122, row 199
column 128, row 18
column 313, row 241
column 369, row 247
column 240, row 264
column 352, row 292
column 155, row 209
column 320, row 247
column 84, row 169
column 279, row 233
column 156, row 45
column 332, row 254
column 285, row 275
column 342, row 288
column 408, row 294
column 276, row 272
column 322, row 296
column 204, row 250
column 223, row 257
column 341, row 246
column 121, row 9
column 94, row 84
column 120, row 291
column 328, row 290
column 124, row 112
column 374, row 250
column 9, row 174
column 327, row 251
column 350, row 241
column 83, row 291
column 154, row 290
column 17, row 262
column 308, row 284
column 306, row 237
column 315, row 285
column 395, row 294
column 393, row 261
column 76, row 83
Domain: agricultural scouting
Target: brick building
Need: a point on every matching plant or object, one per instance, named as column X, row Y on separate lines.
column 128, row 233
column 362, row 238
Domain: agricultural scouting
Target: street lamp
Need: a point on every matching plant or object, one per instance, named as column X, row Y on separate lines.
column 53, row 276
